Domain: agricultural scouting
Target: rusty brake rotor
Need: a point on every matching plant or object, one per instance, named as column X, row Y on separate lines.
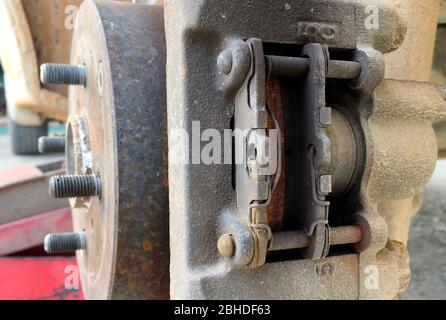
column 116, row 132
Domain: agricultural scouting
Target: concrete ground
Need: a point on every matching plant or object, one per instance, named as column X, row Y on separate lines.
column 427, row 244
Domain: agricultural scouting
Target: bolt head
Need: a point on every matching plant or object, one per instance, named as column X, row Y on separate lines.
column 224, row 62
column 226, row 245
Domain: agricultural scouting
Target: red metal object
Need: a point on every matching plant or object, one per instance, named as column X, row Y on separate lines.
column 30, row 232
column 39, row 279
column 19, row 174
column 23, row 195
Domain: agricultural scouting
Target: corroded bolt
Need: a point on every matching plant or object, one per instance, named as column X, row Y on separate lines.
column 226, row 245
column 75, row 186
column 51, row 73
column 65, row 242
column 51, row 144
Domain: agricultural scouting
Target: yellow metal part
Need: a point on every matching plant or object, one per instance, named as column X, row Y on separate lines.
column 51, row 24
column 412, row 61
column 19, row 61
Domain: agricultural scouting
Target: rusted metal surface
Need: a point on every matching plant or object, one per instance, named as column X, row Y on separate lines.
column 31, row 183
column 123, row 105
column 276, row 209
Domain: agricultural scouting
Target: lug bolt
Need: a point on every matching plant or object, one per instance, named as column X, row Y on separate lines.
column 51, row 73
column 51, row 144
column 226, row 245
column 65, row 242
column 75, row 186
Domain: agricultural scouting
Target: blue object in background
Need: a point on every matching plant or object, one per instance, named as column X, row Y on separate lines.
column 54, row 128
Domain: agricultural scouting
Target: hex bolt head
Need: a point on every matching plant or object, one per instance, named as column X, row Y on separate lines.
column 226, row 245
column 75, row 186
column 51, row 144
column 224, row 62
column 52, row 73
column 65, row 242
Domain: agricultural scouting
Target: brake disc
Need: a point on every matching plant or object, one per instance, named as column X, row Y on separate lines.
column 116, row 132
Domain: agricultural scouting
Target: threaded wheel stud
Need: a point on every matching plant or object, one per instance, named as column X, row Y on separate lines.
column 75, row 186
column 65, row 242
column 52, row 73
column 51, row 145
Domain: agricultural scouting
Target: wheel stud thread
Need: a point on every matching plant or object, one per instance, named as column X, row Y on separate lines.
column 65, row 242
column 75, row 186
column 52, row 73
column 52, row 144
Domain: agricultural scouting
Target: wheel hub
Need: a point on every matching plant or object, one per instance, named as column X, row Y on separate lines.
column 116, row 132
